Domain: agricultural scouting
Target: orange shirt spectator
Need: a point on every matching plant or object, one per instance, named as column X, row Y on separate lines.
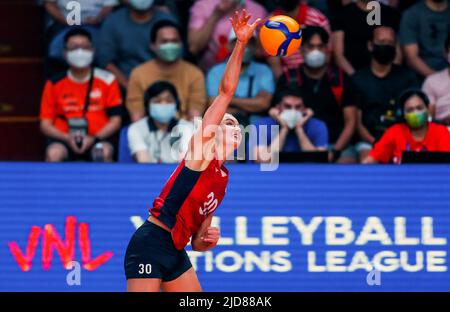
column 64, row 98
column 80, row 109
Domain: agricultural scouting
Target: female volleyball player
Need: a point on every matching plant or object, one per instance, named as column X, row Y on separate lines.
column 155, row 258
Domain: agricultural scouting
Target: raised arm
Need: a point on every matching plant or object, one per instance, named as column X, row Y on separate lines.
column 216, row 111
column 219, row 106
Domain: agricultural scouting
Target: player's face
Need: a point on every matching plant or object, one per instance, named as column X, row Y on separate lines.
column 230, row 135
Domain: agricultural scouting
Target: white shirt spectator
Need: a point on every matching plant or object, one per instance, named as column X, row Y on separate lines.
column 162, row 147
column 89, row 8
column 437, row 88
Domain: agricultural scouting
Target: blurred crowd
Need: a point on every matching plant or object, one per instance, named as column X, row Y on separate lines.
column 360, row 89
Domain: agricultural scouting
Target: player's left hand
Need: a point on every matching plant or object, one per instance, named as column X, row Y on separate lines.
column 210, row 236
column 243, row 30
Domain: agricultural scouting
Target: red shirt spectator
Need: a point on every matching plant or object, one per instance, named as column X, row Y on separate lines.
column 399, row 139
column 415, row 135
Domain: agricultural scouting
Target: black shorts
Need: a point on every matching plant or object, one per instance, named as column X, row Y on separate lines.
column 152, row 254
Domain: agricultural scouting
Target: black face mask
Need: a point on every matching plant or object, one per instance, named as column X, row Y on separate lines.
column 383, row 53
column 288, row 5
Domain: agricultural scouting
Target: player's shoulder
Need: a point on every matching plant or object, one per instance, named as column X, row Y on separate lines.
column 105, row 76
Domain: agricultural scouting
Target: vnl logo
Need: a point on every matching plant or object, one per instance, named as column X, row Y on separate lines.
column 51, row 241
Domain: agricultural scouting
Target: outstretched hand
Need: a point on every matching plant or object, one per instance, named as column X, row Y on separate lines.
column 243, row 30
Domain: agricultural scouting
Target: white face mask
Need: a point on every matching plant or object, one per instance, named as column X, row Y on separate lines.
column 291, row 117
column 315, row 59
column 163, row 112
column 80, row 58
column 141, row 5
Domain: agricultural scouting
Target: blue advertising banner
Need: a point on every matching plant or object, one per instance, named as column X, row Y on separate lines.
column 65, row 227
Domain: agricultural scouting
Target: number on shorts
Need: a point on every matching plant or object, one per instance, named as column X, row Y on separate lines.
column 145, row 268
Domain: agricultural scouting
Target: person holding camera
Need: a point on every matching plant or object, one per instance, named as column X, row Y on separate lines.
column 80, row 109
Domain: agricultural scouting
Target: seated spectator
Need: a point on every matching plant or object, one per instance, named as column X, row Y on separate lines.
column 168, row 65
column 437, row 87
column 416, row 134
column 327, row 91
column 305, row 15
column 153, row 139
column 351, row 32
column 255, row 88
column 81, row 107
column 92, row 15
column 299, row 130
column 423, row 30
column 209, row 28
column 380, row 86
column 125, row 36
column 93, row 12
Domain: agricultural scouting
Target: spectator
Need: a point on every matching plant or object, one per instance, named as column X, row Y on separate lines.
column 152, row 139
column 416, row 134
column 125, row 36
column 351, row 32
column 380, row 86
column 437, row 87
column 305, row 15
column 209, row 28
column 93, row 13
column 423, row 30
column 255, row 88
column 299, row 130
column 82, row 107
column 327, row 91
column 188, row 79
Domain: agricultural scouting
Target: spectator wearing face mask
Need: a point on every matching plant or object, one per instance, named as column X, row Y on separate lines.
column 306, row 16
column 437, row 87
column 92, row 15
column 298, row 129
column 255, row 88
column 327, row 91
column 82, row 107
column 209, row 28
column 416, row 134
column 380, row 85
column 156, row 138
column 351, row 32
column 188, row 79
column 125, row 36
column 423, row 30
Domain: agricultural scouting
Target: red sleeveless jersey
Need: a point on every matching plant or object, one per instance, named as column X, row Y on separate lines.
column 188, row 198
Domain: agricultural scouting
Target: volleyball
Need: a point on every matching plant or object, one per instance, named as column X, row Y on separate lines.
column 280, row 36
